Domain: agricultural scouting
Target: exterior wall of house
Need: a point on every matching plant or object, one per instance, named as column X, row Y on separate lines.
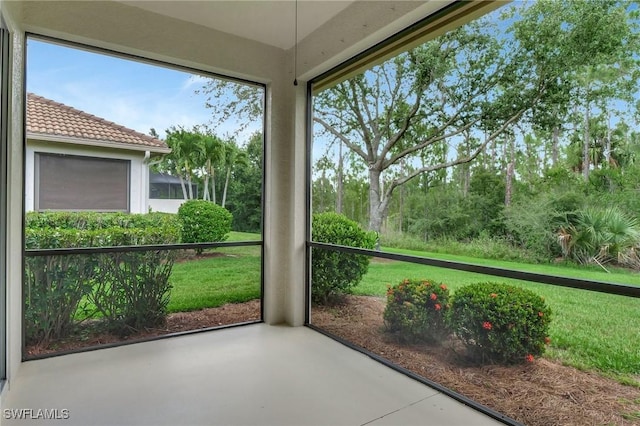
column 138, row 172
column 164, row 205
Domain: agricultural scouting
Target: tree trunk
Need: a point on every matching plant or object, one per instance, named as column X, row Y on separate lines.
column 508, row 188
column 401, row 201
column 205, row 196
column 554, row 145
column 585, row 146
column 339, row 185
column 190, row 188
column 466, row 179
column 213, row 186
column 607, row 148
column 184, row 189
column 378, row 202
column 226, row 185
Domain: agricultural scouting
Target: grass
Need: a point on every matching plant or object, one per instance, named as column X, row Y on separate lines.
column 589, row 330
column 231, row 277
column 615, row 275
column 243, row 236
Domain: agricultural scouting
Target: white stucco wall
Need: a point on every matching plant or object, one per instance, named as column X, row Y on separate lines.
column 138, row 172
column 165, row 206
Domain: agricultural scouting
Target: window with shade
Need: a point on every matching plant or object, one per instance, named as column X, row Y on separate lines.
column 69, row 182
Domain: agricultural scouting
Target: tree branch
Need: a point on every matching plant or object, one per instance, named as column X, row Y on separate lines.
column 355, row 148
column 461, row 160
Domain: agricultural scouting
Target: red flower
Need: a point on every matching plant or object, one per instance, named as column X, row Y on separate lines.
column 547, row 340
column 493, row 295
column 540, row 314
column 443, row 287
column 529, row 358
column 487, row 325
column 438, row 307
column 433, row 296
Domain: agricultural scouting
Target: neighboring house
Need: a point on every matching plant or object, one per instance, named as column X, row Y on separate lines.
column 165, row 192
column 77, row 161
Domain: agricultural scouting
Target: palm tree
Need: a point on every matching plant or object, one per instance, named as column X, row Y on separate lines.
column 213, row 154
column 185, row 156
column 600, row 235
column 234, row 156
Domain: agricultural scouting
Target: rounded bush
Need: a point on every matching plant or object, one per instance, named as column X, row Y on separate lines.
column 416, row 311
column 334, row 273
column 500, row 323
column 204, row 222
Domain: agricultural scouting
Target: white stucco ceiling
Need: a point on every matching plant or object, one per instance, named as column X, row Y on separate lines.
column 270, row 22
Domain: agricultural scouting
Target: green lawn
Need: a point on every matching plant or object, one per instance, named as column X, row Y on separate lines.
column 589, row 330
column 233, row 276
column 243, row 236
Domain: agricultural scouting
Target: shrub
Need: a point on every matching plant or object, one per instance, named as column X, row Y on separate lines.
column 533, row 223
column 600, row 235
column 416, row 311
column 118, row 286
column 500, row 323
column 132, row 289
column 334, row 273
column 54, row 290
column 204, row 222
column 54, row 286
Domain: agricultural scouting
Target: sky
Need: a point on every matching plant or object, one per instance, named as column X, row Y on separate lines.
column 136, row 95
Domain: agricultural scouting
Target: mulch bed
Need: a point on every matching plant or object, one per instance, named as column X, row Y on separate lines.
column 539, row 394
column 543, row 393
column 89, row 336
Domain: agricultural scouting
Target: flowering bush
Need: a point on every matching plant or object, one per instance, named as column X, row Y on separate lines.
column 416, row 311
column 500, row 323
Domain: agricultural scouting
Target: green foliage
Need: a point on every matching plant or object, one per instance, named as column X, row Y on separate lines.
column 500, row 323
column 486, row 201
column 127, row 289
column 89, row 221
column 54, row 290
column 132, row 290
column 245, row 189
column 598, row 235
column 441, row 212
column 416, row 311
column 333, row 273
column 483, row 247
column 533, row 222
column 204, row 222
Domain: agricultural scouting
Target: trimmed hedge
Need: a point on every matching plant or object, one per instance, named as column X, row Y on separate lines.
column 334, row 273
column 204, row 222
column 500, row 323
column 129, row 290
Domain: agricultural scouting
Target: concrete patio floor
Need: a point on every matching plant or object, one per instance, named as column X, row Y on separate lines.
column 250, row 375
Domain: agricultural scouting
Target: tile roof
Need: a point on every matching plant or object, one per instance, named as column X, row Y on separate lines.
column 49, row 118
